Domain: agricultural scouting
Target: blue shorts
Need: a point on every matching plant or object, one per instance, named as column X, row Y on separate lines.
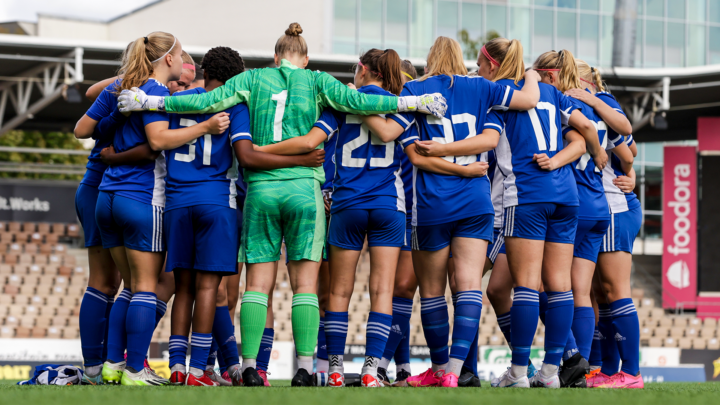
column 383, row 227
column 589, row 237
column 85, row 202
column 542, row 221
column 621, row 233
column 497, row 246
column 239, row 214
column 202, row 237
column 130, row 223
column 407, row 247
column 435, row 237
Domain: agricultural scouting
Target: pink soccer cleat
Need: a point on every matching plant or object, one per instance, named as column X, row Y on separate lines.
column 623, row 380
column 263, row 375
column 426, row 379
column 597, row 379
column 449, row 380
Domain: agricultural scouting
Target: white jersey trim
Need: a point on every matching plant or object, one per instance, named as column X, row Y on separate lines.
column 160, row 171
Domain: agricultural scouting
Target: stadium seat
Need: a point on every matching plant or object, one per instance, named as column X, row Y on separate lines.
column 74, row 321
column 11, row 289
column 676, row 332
column 53, row 333
column 539, row 341
column 22, row 332
column 38, row 332
column 73, row 231
column 69, row 333
column 58, row 229
column 707, row 332
column 7, row 332
column 5, row 300
column 657, row 313
column 695, row 322
column 713, row 344
column 685, row 343
column 691, row 332
column 655, row 342
column 14, row 226
column 699, row 344
column 710, row 322
column 645, row 333
column 670, row 342
column 43, row 321
column 11, row 320
column 661, row 332
column 27, row 321
column 680, row 321
column 43, row 228
column 647, row 302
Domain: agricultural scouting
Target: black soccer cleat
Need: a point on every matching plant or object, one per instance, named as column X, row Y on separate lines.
column 572, row 373
column 302, row 379
column 251, row 378
column 468, row 378
column 382, row 376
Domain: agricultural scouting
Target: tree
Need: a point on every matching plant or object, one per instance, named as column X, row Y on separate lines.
column 471, row 47
column 36, row 139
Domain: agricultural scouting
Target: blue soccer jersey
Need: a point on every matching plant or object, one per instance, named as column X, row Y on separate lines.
column 367, row 170
column 440, row 198
column 527, row 133
column 588, row 176
column 617, row 200
column 497, row 188
column 204, row 171
column 406, row 174
column 101, row 108
column 142, row 182
column 329, row 165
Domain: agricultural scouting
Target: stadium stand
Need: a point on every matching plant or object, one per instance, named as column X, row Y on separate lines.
column 42, row 283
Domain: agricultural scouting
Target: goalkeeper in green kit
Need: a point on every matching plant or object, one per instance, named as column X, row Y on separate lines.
column 283, row 200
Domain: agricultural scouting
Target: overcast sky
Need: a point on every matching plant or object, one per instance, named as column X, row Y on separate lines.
column 27, row 10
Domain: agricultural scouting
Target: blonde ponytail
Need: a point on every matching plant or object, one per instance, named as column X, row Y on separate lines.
column 445, row 58
column 509, row 54
column 141, row 56
column 590, row 75
column 564, row 63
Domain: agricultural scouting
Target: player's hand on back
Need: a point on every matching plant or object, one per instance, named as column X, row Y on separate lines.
column 429, row 148
column 601, row 159
column 218, row 123
column 434, row 104
column 476, row 169
column 582, row 95
column 544, row 162
column 625, row 184
column 106, row 154
column 315, row 158
column 352, row 86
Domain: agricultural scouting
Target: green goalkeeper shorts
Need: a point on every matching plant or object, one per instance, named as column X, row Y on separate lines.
column 290, row 209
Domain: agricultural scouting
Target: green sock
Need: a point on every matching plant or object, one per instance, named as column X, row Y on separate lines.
column 253, row 313
column 305, row 323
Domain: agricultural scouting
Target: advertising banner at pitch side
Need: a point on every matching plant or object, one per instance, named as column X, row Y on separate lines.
column 679, row 259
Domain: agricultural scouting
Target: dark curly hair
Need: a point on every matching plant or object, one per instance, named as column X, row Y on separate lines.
column 222, row 63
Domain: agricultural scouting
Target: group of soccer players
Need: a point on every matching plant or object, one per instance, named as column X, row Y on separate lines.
column 444, row 177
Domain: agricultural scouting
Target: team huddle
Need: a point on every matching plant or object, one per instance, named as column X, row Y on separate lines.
column 201, row 168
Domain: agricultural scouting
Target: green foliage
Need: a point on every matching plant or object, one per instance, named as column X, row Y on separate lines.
column 471, row 47
column 36, row 139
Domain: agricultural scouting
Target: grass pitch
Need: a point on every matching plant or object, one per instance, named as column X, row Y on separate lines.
column 282, row 394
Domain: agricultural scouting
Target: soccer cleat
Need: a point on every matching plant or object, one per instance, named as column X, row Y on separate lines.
column 263, row 374
column 211, row 374
column 496, row 381
column 251, row 378
column 539, row 381
column 92, row 380
column 112, row 372
column 468, row 378
column 426, row 379
column 234, row 375
column 623, row 380
column 141, row 378
column 448, row 380
column 370, row 381
column 531, row 370
column 506, row 380
column 302, row 379
column 401, row 376
column 227, row 378
column 202, row 381
column 336, row 380
column 382, row 376
column 597, row 379
column 178, row 378
column 572, row 373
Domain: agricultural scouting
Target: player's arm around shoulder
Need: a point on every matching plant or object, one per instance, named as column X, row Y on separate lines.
column 235, row 91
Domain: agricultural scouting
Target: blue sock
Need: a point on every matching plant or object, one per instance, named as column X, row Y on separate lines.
column 583, row 327
column 402, row 310
column 523, row 322
column 595, row 359
column 336, row 326
column 177, row 348
column 92, row 326
column 472, row 357
column 160, row 309
column 221, row 363
column 223, row 332
column 402, row 353
column 378, row 329
column 199, row 349
column 543, row 305
column 321, row 344
column 571, row 346
column 117, row 335
column 266, row 344
column 213, row 353
column 627, row 334
column 465, row 323
column 610, row 353
column 504, row 321
column 436, row 327
column 558, row 320
column 140, row 324
column 108, row 309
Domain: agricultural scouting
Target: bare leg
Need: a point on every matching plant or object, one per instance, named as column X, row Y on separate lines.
column 406, row 283
column 104, row 275
column 499, row 289
column 383, row 262
column 343, row 263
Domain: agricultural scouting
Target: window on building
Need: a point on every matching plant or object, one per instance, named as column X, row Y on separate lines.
column 542, row 38
column 676, row 9
column 655, row 8
column 697, row 10
column 344, row 26
column 371, row 26
column 589, row 34
column 421, row 30
column 696, row 45
column 593, row 5
column 396, row 29
column 675, row 50
column 714, row 45
column 653, row 43
column 447, row 19
column 566, row 31
column 496, row 20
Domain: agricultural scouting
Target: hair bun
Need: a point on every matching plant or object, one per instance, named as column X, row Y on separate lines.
column 294, row 30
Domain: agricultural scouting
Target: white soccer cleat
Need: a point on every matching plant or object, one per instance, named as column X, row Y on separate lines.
column 496, row 381
column 540, row 381
column 213, row 375
column 507, row 381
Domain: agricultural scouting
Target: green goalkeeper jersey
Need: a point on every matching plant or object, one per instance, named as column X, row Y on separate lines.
column 284, row 103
